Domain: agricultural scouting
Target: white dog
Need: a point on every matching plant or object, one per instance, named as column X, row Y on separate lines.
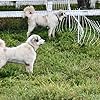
column 51, row 20
column 24, row 53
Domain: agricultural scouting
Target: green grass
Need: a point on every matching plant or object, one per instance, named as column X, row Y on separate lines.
column 63, row 70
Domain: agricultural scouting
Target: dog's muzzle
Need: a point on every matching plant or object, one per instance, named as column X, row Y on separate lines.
column 42, row 41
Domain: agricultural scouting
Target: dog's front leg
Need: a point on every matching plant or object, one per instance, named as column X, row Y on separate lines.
column 53, row 32
column 50, row 32
column 30, row 29
column 29, row 68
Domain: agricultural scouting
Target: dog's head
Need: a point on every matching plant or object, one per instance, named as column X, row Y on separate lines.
column 28, row 11
column 61, row 14
column 35, row 41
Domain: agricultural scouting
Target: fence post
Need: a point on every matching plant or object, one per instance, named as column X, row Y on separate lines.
column 78, row 29
column 18, row 4
column 69, row 8
column 49, row 5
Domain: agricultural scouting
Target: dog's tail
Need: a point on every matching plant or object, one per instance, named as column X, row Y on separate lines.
column 2, row 43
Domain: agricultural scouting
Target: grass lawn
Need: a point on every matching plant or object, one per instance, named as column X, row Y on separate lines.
column 63, row 70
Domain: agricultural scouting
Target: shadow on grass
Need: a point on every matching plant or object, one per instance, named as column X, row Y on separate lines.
column 12, row 69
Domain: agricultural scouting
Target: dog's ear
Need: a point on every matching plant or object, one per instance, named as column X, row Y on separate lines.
column 34, row 40
column 32, row 10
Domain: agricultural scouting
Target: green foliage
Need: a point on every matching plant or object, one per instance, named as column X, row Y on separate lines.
column 13, row 23
column 13, row 8
column 63, row 70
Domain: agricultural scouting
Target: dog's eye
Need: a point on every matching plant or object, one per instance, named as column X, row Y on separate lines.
column 37, row 40
column 61, row 14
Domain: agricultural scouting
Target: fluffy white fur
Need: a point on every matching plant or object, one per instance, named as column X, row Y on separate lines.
column 24, row 53
column 51, row 20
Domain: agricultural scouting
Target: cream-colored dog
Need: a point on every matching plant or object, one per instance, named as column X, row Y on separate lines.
column 24, row 53
column 51, row 20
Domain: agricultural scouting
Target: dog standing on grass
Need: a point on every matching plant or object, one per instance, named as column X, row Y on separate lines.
column 24, row 53
column 51, row 20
